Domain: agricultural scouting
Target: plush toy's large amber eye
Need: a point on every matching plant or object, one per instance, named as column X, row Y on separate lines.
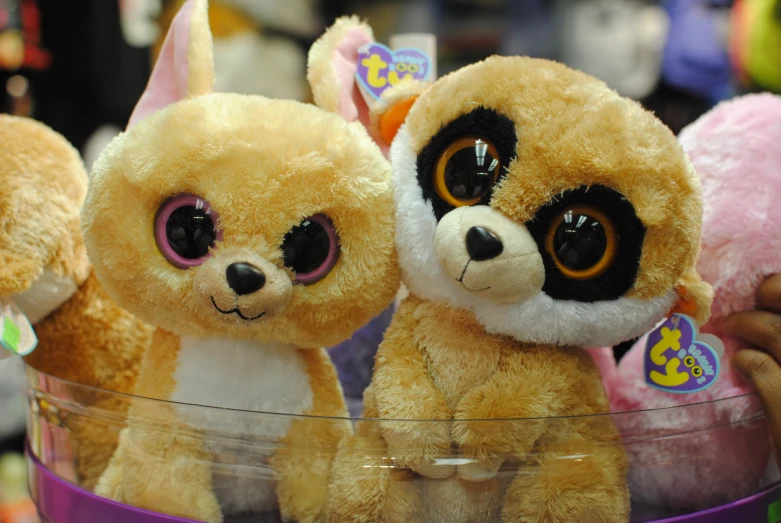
column 466, row 171
column 582, row 241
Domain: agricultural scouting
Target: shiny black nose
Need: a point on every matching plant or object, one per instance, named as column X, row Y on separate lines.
column 482, row 244
column 245, row 278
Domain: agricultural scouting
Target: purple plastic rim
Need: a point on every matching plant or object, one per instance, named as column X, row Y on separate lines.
column 62, row 502
column 334, row 249
column 59, row 501
column 165, row 212
column 753, row 509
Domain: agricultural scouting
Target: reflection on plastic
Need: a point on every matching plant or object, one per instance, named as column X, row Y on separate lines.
column 60, row 411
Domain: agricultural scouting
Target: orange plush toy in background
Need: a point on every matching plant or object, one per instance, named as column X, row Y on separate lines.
column 82, row 335
column 537, row 212
column 252, row 233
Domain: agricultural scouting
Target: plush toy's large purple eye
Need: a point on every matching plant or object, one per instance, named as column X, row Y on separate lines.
column 311, row 249
column 185, row 229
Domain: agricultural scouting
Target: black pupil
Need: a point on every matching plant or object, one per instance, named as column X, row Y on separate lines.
column 190, row 232
column 305, row 247
column 470, row 172
column 579, row 242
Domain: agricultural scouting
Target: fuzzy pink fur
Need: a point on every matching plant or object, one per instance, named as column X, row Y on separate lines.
column 736, row 149
column 351, row 104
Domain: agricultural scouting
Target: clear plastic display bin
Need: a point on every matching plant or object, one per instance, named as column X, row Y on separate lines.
column 59, row 411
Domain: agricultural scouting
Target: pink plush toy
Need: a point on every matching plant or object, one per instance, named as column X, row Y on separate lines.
column 736, row 148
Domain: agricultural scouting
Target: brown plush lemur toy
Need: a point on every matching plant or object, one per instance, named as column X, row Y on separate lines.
column 83, row 336
column 537, row 213
column 252, row 232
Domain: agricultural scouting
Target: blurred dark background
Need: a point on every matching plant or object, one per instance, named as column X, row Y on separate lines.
column 86, row 62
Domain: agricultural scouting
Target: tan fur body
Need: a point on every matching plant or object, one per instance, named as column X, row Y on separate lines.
column 428, row 348
column 83, row 337
column 265, row 169
column 537, row 213
column 301, row 456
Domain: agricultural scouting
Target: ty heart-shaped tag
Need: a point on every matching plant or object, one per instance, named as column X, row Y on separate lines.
column 677, row 360
column 380, row 68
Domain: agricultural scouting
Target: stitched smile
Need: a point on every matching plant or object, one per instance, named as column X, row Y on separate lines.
column 236, row 311
column 473, row 290
column 461, row 280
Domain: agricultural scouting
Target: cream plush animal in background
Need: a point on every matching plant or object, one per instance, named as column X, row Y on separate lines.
column 251, row 232
column 83, row 336
column 247, row 60
column 537, row 212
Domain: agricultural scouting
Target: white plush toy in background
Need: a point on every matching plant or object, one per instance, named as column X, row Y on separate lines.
column 247, row 58
column 618, row 41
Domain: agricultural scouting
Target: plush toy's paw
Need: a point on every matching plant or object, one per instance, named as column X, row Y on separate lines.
column 490, row 443
column 563, row 491
column 480, row 470
column 435, row 470
column 425, row 450
column 180, row 488
column 455, row 500
column 366, row 488
column 200, row 507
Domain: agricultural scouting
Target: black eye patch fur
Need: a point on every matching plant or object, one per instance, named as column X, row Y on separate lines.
column 621, row 275
column 482, row 122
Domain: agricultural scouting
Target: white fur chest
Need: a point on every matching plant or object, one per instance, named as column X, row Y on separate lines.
column 247, row 376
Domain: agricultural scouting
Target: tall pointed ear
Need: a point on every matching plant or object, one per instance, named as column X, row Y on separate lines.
column 185, row 65
column 331, row 67
column 694, row 297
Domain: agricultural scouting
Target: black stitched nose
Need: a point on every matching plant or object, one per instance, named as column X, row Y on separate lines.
column 245, row 278
column 482, row 244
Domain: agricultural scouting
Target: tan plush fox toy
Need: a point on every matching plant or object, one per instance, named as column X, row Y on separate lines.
column 251, row 232
column 537, row 213
column 83, row 336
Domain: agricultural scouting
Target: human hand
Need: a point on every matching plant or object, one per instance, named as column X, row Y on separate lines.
column 761, row 364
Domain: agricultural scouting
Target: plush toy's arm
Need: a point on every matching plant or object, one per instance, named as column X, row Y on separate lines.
column 305, row 457
column 513, row 393
column 165, row 469
column 577, row 469
column 404, row 390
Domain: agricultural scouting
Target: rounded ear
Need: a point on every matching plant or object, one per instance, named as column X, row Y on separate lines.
column 185, row 65
column 694, row 297
column 331, row 67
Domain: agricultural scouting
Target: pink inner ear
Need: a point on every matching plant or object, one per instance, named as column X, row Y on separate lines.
column 345, row 63
column 168, row 82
